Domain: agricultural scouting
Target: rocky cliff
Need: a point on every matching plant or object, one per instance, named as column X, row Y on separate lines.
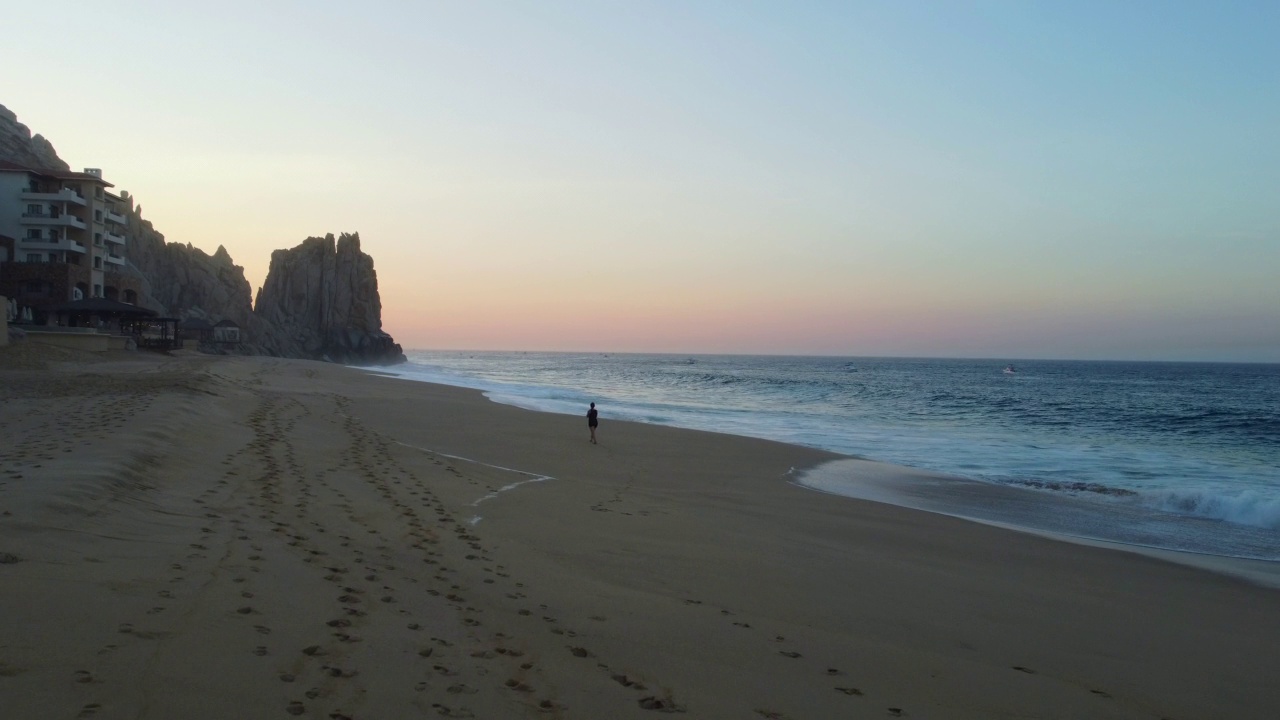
column 184, row 281
column 320, row 299
column 17, row 145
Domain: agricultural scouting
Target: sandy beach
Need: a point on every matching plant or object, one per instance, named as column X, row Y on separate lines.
column 191, row 536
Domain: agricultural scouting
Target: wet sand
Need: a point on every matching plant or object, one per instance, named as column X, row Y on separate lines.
column 199, row 537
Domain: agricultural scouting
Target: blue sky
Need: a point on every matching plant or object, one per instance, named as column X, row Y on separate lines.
column 1005, row 179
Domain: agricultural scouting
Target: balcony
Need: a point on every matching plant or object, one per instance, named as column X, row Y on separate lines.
column 42, row 245
column 113, row 217
column 62, row 220
column 113, row 259
column 63, row 195
column 113, row 238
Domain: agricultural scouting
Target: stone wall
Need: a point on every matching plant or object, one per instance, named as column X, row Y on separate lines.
column 58, row 278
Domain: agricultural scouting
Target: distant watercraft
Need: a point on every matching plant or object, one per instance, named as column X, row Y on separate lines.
column 1009, row 369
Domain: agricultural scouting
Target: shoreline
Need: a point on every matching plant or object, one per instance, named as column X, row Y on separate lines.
column 1258, row 570
column 202, row 537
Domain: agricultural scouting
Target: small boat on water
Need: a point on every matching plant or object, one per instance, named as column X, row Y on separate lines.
column 1010, row 370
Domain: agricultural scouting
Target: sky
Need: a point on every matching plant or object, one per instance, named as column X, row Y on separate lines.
column 1093, row 180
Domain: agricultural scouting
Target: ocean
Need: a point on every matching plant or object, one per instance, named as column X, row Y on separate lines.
column 1181, row 456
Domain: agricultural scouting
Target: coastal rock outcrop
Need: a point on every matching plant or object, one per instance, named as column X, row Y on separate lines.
column 184, row 281
column 320, row 300
column 18, row 145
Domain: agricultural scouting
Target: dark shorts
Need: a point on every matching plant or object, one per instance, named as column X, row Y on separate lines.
column 593, row 423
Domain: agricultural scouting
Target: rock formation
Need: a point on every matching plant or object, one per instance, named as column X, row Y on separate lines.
column 320, row 300
column 17, row 145
column 184, row 281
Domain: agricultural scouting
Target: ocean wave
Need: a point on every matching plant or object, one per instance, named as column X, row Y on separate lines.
column 1244, row 508
column 1070, row 486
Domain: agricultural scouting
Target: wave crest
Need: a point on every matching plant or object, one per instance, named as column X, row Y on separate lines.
column 1246, row 508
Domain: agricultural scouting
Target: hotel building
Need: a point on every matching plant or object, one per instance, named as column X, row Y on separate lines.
column 62, row 238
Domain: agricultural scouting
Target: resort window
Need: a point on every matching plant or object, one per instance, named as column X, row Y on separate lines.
column 35, row 257
column 97, row 263
column 97, row 291
column 34, row 209
column 33, row 233
column 97, row 215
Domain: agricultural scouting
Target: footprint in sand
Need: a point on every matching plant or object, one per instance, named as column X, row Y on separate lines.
column 518, row 686
column 849, row 690
column 659, row 704
column 447, row 711
column 625, row 681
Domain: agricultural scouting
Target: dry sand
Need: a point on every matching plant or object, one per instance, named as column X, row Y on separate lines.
column 197, row 537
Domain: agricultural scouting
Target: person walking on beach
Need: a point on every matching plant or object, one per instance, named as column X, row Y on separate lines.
column 592, row 422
